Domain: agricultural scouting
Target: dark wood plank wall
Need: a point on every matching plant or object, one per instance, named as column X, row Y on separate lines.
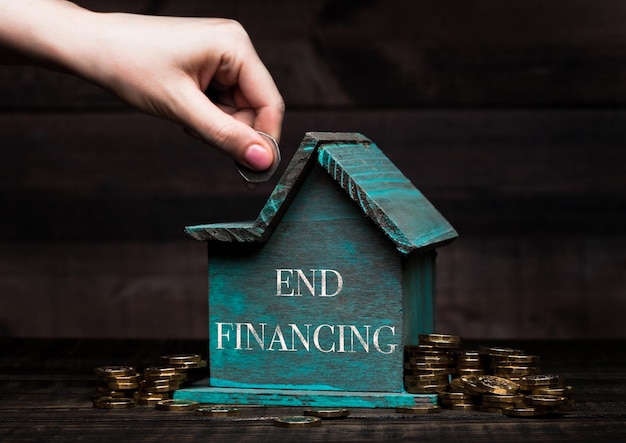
column 508, row 115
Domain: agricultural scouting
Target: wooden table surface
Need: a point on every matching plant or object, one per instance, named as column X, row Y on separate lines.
column 46, row 388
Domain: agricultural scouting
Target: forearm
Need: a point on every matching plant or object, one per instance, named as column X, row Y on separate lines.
column 46, row 32
column 160, row 65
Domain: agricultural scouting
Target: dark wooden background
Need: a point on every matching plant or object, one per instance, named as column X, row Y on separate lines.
column 508, row 115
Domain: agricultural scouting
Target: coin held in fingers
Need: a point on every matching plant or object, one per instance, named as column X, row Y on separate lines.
column 252, row 176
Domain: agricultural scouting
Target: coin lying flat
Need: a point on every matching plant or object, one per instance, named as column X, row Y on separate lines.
column 114, row 371
column 178, row 359
column 297, row 422
column 176, row 405
column 253, row 176
column 550, row 401
column 566, row 391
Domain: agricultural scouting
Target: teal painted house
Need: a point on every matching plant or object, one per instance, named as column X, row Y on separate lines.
column 313, row 301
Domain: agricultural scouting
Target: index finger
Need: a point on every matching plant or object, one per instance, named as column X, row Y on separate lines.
column 259, row 89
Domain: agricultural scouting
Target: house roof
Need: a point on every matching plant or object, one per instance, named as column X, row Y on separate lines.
column 368, row 177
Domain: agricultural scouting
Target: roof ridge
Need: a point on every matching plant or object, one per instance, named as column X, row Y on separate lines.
column 387, row 197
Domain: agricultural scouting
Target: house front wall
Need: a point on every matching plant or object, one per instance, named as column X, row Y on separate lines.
column 319, row 306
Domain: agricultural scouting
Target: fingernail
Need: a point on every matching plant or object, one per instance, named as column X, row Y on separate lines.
column 258, row 157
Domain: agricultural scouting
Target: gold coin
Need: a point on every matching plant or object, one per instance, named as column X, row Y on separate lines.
column 499, row 351
column 566, row 391
column 157, row 389
column 424, row 365
column 470, row 384
column 550, row 401
column 159, row 395
column 419, row 409
column 427, row 389
column 467, row 353
column 520, row 371
column 468, row 363
column 161, row 371
column 454, row 396
column 157, row 382
column 114, row 371
column 456, row 385
column 436, row 359
column 431, row 371
column 551, row 380
column 424, row 349
column 497, row 385
column 464, row 407
column 114, row 403
column 328, row 413
column 148, row 401
column 150, row 398
column 193, row 365
column 217, row 411
column 426, row 377
column 520, row 359
column 439, row 338
column 105, row 391
column 178, row 376
column 123, row 386
column 133, row 378
column 177, row 405
column 177, row 359
column 297, row 422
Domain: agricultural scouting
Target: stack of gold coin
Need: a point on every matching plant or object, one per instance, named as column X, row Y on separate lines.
column 463, row 393
column 498, row 393
column 469, row 362
column 190, row 364
column 566, row 391
column 177, row 405
column 427, row 366
column 116, row 382
column 549, row 385
column 154, row 385
column 456, row 400
column 441, row 341
column 500, row 380
column 159, row 381
column 497, row 403
column 510, row 363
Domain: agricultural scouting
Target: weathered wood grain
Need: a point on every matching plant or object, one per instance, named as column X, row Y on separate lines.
column 505, row 114
column 46, row 387
column 109, row 289
column 398, row 52
column 537, row 196
column 504, row 172
column 321, row 229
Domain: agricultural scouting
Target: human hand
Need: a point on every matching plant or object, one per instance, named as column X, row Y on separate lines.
column 162, row 66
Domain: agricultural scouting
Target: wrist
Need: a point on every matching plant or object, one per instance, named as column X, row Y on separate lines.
column 46, row 32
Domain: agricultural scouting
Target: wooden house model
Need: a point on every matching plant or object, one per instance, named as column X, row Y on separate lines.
column 313, row 302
